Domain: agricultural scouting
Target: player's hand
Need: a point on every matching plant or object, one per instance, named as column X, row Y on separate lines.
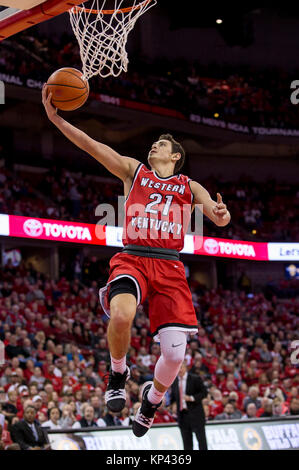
column 50, row 110
column 220, row 209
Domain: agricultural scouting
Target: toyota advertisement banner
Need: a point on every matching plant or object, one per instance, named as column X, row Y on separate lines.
column 96, row 234
column 230, row 248
column 56, row 230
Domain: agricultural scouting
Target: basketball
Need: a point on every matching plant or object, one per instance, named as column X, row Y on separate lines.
column 69, row 89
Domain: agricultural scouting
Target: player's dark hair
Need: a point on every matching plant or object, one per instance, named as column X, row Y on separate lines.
column 176, row 148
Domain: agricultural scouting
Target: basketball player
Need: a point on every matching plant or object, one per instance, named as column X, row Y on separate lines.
column 149, row 265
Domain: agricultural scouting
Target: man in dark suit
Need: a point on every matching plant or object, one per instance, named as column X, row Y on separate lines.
column 187, row 391
column 28, row 433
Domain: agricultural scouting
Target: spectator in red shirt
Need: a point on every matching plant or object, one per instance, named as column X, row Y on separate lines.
column 145, row 339
column 266, row 410
column 265, row 401
column 38, row 404
column 2, row 438
column 263, row 384
column 252, row 373
column 220, row 377
column 131, row 356
column 215, row 404
column 210, row 361
column 102, row 371
column 294, row 393
column 40, row 352
column 80, row 383
column 286, row 386
column 163, row 415
column 23, row 395
column 47, row 328
column 21, row 401
column 29, row 371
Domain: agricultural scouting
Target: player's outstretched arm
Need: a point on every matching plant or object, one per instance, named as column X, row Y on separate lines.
column 122, row 167
column 215, row 211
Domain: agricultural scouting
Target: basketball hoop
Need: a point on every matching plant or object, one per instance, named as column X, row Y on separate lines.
column 102, row 34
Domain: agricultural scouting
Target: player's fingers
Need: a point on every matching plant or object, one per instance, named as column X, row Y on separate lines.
column 219, row 198
column 217, row 209
column 221, row 212
column 49, row 98
column 221, row 206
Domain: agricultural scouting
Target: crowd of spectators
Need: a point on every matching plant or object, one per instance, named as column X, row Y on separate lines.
column 260, row 211
column 242, row 94
column 57, row 360
column 56, row 194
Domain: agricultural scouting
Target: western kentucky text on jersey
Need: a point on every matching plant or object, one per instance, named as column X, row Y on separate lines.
column 157, row 210
column 163, row 186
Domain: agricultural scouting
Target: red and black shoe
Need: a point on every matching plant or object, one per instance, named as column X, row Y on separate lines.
column 115, row 396
column 146, row 413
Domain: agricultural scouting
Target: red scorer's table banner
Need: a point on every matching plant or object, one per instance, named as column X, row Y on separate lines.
column 56, row 230
column 230, row 248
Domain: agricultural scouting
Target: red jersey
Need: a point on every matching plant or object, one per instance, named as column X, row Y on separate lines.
column 157, row 215
column 157, row 210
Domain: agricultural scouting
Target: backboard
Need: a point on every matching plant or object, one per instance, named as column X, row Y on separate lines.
column 22, row 14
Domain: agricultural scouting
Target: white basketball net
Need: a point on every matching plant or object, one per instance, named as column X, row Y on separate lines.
column 102, row 35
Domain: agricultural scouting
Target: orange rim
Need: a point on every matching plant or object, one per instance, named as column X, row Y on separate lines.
column 77, row 9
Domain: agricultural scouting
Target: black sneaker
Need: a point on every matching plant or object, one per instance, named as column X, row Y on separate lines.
column 145, row 414
column 115, row 396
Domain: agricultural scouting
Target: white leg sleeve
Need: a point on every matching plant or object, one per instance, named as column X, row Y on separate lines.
column 173, row 348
